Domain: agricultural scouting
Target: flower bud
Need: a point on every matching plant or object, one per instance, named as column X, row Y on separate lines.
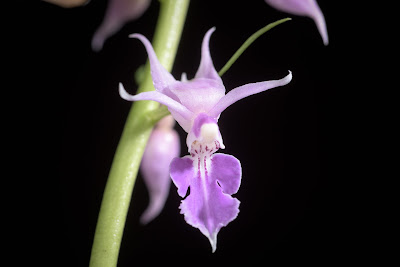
column 161, row 148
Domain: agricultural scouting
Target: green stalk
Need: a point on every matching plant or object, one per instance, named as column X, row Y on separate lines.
column 124, row 169
column 248, row 42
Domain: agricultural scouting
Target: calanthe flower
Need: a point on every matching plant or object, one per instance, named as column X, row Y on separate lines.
column 163, row 146
column 308, row 8
column 196, row 105
column 117, row 14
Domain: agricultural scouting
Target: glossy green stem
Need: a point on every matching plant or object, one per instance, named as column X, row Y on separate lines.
column 124, row 169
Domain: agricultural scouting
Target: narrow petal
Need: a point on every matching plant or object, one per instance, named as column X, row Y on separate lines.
column 162, row 147
column 307, row 8
column 206, row 68
column 161, row 77
column 173, row 106
column 207, row 207
column 245, row 91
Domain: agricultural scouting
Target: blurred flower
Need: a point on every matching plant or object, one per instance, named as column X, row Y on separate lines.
column 161, row 148
column 196, row 105
column 68, row 3
column 117, row 14
column 307, row 8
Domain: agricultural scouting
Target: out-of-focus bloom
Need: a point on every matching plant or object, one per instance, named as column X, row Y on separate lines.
column 162, row 147
column 308, row 8
column 117, row 14
column 196, row 105
column 68, row 3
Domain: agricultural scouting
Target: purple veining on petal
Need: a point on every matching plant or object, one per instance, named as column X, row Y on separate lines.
column 307, row 8
column 209, row 205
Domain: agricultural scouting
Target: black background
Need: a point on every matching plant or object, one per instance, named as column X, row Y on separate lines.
column 72, row 118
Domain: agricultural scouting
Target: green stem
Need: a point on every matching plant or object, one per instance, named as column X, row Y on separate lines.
column 248, row 42
column 124, row 169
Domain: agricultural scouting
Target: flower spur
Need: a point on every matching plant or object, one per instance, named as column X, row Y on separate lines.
column 196, row 105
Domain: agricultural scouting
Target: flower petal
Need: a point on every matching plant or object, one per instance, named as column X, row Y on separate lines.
column 182, row 171
column 161, row 77
column 207, row 207
column 226, row 169
column 245, row 91
column 173, row 106
column 206, row 89
column 206, row 68
column 307, row 8
column 198, row 95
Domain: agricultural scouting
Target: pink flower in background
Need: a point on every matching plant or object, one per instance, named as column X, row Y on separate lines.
column 308, row 8
column 117, row 14
column 68, row 3
column 162, row 147
column 196, row 105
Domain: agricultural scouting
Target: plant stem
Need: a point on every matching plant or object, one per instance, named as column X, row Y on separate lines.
column 248, row 42
column 124, row 169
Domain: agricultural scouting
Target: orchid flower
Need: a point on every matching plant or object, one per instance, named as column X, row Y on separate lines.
column 162, row 147
column 117, row 14
column 196, row 105
column 307, row 8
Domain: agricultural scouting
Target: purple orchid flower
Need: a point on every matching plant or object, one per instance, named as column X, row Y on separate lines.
column 163, row 146
column 196, row 105
column 117, row 14
column 307, row 8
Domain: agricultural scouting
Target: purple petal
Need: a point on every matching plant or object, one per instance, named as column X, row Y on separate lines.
column 206, row 89
column 162, row 147
column 173, row 106
column 307, row 8
column 198, row 95
column 161, row 77
column 227, row 170
column 117, row 14
column 181, row 171
column 207, row 207
column 206, row 68
column 245, row 91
